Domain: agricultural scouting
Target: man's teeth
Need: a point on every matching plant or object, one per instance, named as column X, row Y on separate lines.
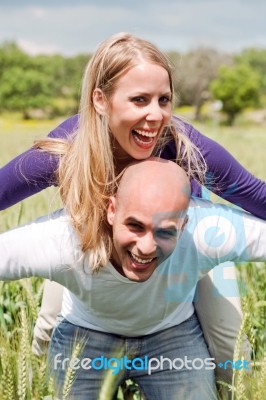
column 141, row 260
column 146, row 133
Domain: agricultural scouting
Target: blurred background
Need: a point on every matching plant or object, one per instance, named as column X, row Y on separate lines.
column 217, row 49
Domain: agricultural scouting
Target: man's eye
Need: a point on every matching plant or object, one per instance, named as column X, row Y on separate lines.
column 132, row 225
column 166, row 233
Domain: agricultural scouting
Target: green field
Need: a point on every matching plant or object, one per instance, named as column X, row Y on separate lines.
column 247, row 144
column 19, row 302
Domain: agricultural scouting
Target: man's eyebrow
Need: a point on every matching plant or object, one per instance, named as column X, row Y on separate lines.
column 172, row 225
column 168, row 228
column 169, row 224
column 133, row 219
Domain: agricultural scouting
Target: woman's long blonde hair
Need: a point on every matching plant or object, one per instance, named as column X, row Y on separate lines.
column 87, row 173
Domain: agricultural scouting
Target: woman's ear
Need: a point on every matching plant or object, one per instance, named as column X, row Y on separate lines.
column 111, row 210
column 99, row 101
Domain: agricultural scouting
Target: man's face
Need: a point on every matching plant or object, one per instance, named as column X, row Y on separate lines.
column 143, row 237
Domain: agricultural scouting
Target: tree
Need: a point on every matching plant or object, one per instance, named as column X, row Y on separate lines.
column 256, row 59
column 65, row 74
column 237, row 87
column 11, row 56
column 24, row 90
column 193, row 73
column 28, row 83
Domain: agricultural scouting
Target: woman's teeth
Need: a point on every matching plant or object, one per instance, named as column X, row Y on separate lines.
column 141, row 260
column 145, row 133
column 144, row 137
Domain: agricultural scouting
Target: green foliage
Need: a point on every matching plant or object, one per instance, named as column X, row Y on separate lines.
column 22, row 374
column 237, row 87
column 193, row 73
column 23, row 90
column 253, row 285
column 50, row 84
column 256, row 59
column 11, row 56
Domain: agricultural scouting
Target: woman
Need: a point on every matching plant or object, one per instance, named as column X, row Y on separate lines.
column 121, row 94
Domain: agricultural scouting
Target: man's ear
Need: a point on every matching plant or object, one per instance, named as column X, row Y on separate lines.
column 183, row 226
column 111, row 210
column 184, row 223
column 99, row 101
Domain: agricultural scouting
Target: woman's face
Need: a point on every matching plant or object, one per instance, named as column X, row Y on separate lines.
column 139, row 109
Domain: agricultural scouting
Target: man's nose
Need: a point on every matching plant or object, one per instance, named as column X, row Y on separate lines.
column 147, row 244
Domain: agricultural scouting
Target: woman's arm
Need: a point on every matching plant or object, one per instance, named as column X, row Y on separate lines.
column 226, row 176
column 33, row 170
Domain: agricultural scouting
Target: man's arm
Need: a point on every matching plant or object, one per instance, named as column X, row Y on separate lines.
column 222, row 233
column 42, row 248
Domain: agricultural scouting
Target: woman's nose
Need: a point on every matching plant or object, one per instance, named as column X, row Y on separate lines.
column 154, row 112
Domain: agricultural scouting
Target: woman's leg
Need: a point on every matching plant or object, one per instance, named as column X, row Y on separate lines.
column 218, row 307
column 51, row 306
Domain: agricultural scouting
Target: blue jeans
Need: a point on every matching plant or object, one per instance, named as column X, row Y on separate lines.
column 133, row 358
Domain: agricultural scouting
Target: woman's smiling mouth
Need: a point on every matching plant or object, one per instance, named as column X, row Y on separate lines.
column 144, row 138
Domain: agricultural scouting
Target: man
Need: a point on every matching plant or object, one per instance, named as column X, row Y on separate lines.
column 140, row 304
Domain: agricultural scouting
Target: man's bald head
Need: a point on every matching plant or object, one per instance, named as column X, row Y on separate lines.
column 153, row 179
column 147, row 216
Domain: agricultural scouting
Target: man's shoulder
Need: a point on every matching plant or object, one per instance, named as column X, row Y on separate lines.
column 197, row 204
column 59, row 236
column 56, row 226
column 215, row 214
column 58, row 219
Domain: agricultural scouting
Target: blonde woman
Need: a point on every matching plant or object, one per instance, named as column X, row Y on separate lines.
column 126, row 114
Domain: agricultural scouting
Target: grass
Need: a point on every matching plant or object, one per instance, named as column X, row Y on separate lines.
column 22, row 375
column 246, row 144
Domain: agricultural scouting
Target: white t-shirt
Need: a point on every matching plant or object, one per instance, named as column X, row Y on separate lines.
column 107, row 301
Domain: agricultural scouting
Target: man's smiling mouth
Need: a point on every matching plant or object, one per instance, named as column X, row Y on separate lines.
column 141, row 260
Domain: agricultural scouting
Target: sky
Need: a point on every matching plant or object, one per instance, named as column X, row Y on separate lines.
column 72, row 27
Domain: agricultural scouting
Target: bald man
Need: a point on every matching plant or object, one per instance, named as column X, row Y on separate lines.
column 140, row 303
column 143, row 235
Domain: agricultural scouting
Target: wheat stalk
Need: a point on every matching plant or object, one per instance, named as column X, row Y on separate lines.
column 7, row 377
column 23, row 356
column 30, row 297
column 70, row 374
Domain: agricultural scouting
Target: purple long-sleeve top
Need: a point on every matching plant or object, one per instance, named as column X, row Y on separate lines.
column 34, row 171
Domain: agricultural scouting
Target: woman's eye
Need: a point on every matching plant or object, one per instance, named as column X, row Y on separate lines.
column 165, row 99
column 138, row 99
